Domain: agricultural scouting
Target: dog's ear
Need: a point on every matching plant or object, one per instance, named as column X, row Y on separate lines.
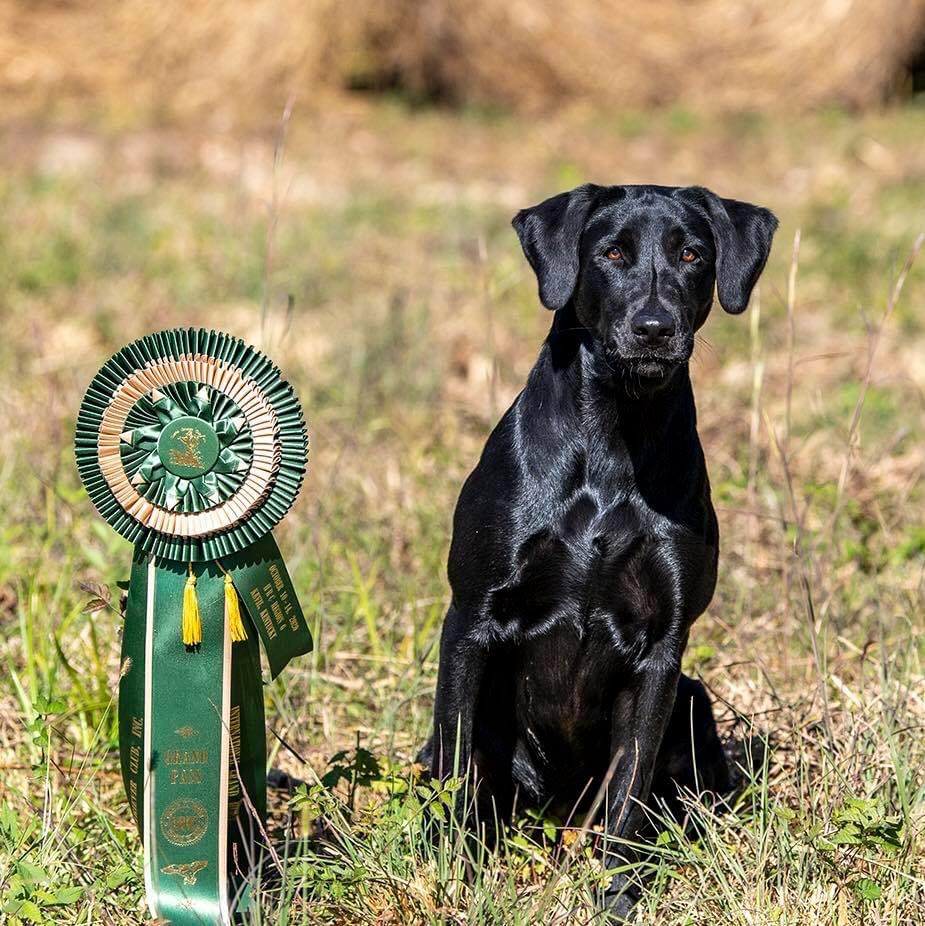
column 742, row 234
column 549, row 234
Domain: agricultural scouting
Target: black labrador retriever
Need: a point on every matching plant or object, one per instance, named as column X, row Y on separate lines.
column 585, row 542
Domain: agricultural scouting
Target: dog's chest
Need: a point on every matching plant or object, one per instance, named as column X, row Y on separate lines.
column 610, row 567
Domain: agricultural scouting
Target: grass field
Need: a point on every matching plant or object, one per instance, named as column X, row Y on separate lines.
column 371, row 256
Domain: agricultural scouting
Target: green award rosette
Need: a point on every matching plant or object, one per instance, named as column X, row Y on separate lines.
column 192, row 446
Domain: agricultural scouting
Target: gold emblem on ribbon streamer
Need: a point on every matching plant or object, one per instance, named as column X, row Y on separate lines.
column 188, row 872
column 185, row 821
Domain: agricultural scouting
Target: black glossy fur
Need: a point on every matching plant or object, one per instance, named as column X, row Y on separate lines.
column 585, row 542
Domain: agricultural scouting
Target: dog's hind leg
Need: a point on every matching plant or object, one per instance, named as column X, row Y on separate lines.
column 462, row 665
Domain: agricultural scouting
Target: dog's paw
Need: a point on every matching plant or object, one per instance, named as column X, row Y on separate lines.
column 425, row 756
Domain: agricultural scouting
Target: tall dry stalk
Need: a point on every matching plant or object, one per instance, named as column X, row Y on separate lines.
column 873, row 343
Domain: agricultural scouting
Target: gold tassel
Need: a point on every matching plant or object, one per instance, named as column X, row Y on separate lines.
column 192, row 620
column 233, row 612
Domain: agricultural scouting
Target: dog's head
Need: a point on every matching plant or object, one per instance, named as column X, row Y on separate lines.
column 639, row 265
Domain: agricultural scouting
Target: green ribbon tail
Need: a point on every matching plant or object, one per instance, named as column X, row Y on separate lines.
column 266, row 590
column 131, row 689
column 193, row 745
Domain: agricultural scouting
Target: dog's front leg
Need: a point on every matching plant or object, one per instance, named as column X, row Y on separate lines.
column 462, row 663
column 640, row 716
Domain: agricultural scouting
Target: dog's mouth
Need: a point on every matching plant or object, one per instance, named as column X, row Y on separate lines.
column 650, row 366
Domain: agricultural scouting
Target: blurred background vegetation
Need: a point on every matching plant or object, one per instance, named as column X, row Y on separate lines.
column 234, row 62
column 334, row 183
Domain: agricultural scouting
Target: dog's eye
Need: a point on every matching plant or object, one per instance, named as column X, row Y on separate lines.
column 614, row 254
column 689, row 255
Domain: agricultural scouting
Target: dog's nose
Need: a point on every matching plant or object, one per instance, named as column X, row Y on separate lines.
column 653, row 329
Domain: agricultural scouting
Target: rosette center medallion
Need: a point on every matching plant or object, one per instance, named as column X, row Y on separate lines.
column 188, row 447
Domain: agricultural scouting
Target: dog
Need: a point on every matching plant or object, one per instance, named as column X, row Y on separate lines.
column 585, row 542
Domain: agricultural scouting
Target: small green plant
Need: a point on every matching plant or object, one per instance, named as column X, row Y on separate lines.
column 33, row 894
column 864, row 823
column 40, row 726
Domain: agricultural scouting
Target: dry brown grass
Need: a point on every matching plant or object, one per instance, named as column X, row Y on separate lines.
column 237, row 61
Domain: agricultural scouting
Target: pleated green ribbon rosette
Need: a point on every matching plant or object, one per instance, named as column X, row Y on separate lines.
column 193, row 448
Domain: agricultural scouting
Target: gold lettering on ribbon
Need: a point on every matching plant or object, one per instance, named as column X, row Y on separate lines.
column 186, row 757
column 276, row 577
column 186, row 776
column 234, row 781
column 277, row 610
column 134, row 764
column 289, row 608
column 273, row 604
column 133, row 799
column 262, row 612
